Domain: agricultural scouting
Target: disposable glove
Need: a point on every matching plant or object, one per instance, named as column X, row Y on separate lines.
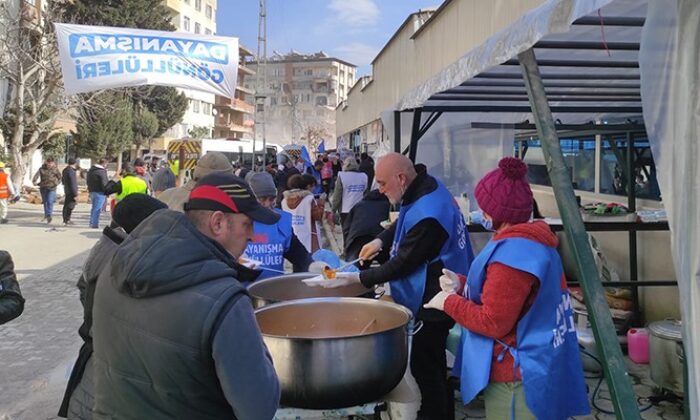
column 449, row 282
column 340, row 280
column 438, row 301
column 370, row 250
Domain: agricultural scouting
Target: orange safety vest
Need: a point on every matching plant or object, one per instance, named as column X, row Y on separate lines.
column 4, row 191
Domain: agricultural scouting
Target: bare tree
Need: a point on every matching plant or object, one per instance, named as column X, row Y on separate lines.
column 29, row 64
column 314, row 133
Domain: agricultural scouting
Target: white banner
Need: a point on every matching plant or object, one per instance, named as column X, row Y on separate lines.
column 99, row 57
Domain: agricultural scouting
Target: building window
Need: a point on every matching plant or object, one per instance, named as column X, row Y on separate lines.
column 197, row 28
column 209, row 11
column 273, row 100
column 206, row 108
column 321, row 100
column 195, row 106
column 308, row 72
column 198, row 5
column 186, row 23
column 207, row 31
column 308, row 98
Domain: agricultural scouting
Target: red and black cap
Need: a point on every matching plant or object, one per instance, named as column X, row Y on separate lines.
column 230, row 194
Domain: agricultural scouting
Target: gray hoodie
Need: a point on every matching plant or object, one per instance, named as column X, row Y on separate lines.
column 174, row 331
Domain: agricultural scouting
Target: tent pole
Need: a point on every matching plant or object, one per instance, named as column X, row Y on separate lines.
column 619, row 385
column 415, row 134
column 397, row 131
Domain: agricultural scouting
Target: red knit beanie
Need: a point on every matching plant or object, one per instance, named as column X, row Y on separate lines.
column 504, row 193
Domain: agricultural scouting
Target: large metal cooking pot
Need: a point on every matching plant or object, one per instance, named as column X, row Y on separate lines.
column 290, row 287
column 664, row 362
column 323, row 358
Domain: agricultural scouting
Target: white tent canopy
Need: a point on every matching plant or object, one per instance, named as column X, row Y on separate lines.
column 616, row 60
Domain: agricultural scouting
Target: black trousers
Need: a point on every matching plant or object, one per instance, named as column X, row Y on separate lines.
column 429, row 367
column 68, row 206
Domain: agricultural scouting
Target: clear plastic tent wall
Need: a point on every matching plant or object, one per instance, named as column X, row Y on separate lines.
column 670, row 75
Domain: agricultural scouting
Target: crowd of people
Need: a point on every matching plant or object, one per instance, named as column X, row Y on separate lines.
column 169, row 330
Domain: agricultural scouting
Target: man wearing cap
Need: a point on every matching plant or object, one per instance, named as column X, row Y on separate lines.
column 129, row 184
column 69, row 178
column 272, row 244
column 174, row 332
column 7, row 192
column 211, row 162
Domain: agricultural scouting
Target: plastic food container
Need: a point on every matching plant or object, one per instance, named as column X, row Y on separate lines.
column 638, row 345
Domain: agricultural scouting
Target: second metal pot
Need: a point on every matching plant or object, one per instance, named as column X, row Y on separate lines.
column 290, row 287
column 664, row 362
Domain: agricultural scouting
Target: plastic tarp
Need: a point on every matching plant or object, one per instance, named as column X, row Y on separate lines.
column 670, row 70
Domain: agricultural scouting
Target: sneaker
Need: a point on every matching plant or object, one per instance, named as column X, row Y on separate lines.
column 3, row 221
column 94, row 227
column 68, row 223
column 48, row 220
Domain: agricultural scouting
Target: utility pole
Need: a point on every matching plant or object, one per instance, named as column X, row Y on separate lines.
column 261, row 84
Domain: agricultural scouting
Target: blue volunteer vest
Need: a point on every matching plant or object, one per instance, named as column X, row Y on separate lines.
column 270, row 243
column 456, row 254
column 547, row 349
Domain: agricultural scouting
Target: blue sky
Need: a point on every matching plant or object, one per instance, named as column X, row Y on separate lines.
column 352, row 30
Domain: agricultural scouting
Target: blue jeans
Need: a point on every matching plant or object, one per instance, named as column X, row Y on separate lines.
column 98, row 201
column 48, row 198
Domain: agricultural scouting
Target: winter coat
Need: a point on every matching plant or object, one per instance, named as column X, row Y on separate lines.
column 97, row 179
column 11, row 300
column 49, row 177
column 176, row 197
column 162, row 179
column 79, row 396
column 367, row 166
column 507, row 296
column 364, row 219
column 70, row 181
column 174, row 332
column 293, row 198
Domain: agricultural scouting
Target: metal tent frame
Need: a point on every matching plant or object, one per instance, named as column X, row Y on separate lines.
column 563, row 74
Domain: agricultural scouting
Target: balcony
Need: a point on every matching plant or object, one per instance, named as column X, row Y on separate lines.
column 173, row 5
column 234, row 104
column 222, row 122
column 245, row 70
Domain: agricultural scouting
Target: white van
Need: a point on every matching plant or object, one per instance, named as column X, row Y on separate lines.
column 239, row 152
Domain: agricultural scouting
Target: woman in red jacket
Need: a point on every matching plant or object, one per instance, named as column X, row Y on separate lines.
column 518, row 343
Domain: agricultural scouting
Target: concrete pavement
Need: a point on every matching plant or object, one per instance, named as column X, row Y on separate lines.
column 38, row 348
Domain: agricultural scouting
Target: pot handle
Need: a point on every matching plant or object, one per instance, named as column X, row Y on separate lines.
column 416, row 327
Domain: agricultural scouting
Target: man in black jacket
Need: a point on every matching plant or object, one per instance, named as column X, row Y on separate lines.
column 69, row 179
column 129, row 213
column 11, row 300
column 367, row 166
column 96, row 181
column 362, row 224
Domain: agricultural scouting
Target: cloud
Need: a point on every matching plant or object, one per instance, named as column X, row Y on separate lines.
column 356, row 53
column 355, row 13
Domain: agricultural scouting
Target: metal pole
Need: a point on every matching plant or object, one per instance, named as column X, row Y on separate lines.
column 632, row 206
column 397, row 131
column 415, row 129
column 619, row 385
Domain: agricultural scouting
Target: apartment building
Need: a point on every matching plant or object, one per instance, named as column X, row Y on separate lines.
column 234, row 116
column 301, row 95
column 199, row 17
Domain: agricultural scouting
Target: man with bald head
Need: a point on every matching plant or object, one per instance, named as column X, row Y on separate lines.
column 430, row 235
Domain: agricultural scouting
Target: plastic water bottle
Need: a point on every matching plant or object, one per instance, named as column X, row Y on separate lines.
column 638, row 345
